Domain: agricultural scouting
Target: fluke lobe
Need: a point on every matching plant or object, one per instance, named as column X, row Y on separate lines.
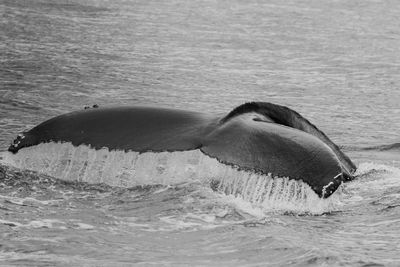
column 257, row 137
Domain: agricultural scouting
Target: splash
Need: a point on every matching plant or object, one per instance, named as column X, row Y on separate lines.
column 116, row 168
column 373, row 182
column 377, row 177
column 267, row 193
column 127, row 169
column 366, row 168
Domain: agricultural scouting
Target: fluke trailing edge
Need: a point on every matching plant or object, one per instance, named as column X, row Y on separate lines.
column 258, row 137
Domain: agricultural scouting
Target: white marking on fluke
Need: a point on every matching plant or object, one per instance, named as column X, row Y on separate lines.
column 337, row 176
column 331, row 183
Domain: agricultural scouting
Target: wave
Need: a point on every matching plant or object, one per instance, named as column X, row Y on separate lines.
column 389, row 147
column 7, row 103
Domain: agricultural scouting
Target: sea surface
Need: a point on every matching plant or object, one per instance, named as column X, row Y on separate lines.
column 335, row 62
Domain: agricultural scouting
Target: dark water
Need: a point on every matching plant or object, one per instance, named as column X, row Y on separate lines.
column 335, row 62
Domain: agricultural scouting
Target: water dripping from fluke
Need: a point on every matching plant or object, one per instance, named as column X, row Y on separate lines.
column 129, row 169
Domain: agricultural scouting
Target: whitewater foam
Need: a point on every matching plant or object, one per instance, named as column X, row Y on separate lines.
column 373, row 182
column 128, row 169
column 117, row 168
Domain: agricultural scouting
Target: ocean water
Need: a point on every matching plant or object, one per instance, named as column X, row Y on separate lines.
column 335, row 62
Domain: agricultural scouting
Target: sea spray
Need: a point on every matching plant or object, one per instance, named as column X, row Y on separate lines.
column 127, row 169
column 259, row 194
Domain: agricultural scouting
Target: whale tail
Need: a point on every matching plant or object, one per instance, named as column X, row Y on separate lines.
column 257, row 137
column 288, row 117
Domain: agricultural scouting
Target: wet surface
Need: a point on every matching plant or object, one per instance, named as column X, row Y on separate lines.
column 337, row 63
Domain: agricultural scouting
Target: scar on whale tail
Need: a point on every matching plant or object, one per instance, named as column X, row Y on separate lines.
column 257, row 137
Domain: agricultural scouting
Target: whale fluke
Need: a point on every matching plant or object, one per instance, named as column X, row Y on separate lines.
column 257, row 137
